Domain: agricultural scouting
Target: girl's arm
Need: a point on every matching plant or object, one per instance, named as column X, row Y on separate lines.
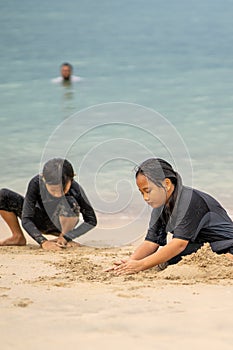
column 144, row 249
column 87, row 212
column 173, row 248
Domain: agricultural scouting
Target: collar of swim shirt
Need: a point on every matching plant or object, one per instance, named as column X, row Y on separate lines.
column 172, row 222
column 183, row 200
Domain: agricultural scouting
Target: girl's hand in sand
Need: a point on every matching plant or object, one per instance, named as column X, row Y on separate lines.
column 116, row 263
column 50, row 245
column 128, row 267
column 61, row 242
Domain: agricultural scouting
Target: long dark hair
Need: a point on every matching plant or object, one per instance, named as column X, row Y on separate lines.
column 156, row 170
column 58, row 171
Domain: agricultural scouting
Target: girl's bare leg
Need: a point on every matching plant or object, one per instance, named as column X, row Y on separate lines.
column 17, row 237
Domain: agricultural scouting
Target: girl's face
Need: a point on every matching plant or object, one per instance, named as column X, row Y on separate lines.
column 57, row 190
column 154, row 195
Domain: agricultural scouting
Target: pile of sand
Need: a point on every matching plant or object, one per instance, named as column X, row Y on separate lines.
column 204, row 266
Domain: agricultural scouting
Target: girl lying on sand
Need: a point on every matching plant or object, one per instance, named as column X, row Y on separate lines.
column 191, row 216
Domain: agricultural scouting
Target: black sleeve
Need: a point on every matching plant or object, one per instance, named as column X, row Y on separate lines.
column 157, row 230
column 87, row 211
column 189, row 217
column 29, row 205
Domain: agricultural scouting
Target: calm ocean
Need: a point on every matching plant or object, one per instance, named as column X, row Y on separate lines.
column 172, row 57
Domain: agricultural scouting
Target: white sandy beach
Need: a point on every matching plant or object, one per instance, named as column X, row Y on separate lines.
column 57, row 300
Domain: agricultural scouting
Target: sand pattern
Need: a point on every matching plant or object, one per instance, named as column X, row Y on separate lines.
column 87, row 264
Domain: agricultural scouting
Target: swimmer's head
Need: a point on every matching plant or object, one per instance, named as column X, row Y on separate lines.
column 66, row 71
column 58, row 171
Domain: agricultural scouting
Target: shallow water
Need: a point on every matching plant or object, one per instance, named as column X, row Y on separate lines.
column 171, row 57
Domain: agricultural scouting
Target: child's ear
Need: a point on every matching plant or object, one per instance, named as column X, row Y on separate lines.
column 167, row 184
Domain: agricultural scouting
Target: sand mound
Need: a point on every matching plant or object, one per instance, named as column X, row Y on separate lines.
column 203, row 266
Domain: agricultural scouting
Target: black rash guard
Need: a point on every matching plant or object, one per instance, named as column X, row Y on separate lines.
column 39, row 201
column 198, row 218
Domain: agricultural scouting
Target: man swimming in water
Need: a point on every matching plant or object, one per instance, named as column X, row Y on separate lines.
column 66, row 77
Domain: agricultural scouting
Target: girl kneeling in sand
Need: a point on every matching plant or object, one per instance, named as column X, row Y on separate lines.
column 191, row 216
column 51, row 206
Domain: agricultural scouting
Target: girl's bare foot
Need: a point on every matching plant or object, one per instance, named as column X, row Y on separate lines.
column 21, row 241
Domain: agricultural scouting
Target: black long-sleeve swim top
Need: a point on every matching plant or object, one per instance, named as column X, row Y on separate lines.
column 33, row 200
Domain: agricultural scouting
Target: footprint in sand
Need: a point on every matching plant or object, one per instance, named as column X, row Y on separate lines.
column 23, row 302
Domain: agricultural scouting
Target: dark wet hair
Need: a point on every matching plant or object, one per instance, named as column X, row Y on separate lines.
column 68, row 65
column 58, row 171
column 156, row 170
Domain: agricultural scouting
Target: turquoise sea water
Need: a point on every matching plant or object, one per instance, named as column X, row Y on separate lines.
column 174, row 57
